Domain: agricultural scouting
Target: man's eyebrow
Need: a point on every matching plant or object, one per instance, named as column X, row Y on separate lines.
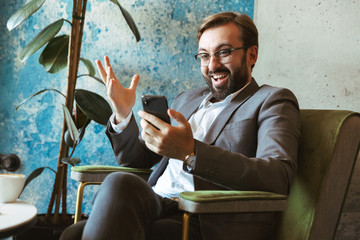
column 217, row 48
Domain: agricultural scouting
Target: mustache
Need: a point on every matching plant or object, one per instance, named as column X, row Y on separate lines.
column 222, row 70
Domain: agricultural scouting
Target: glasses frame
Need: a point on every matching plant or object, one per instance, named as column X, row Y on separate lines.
column 216, row 55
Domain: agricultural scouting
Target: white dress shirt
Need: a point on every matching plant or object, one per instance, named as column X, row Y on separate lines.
column 175, row 180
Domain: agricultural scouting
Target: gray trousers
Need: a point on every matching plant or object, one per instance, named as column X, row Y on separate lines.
column 126, row 207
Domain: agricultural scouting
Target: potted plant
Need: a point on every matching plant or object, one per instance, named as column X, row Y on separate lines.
column 80, row 106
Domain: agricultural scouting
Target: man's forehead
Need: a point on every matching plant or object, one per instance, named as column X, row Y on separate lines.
column 220, row 36
column 219, row 46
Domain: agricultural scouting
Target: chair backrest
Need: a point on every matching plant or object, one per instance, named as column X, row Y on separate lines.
column 327, row 156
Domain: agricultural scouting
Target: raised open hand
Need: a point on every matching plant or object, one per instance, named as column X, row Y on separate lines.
column 121, row 98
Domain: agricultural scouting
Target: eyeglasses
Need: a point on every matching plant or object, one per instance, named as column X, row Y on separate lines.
column 222, row 56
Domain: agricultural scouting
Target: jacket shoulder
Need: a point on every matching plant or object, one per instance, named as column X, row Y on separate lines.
column 271, row 91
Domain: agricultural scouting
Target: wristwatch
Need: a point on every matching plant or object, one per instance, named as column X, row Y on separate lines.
column 189, row 159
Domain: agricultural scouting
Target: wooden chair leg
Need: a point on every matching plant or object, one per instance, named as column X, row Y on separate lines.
column 79, row 199
column 185, row 230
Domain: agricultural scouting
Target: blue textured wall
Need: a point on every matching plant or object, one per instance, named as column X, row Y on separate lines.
column 163, row 58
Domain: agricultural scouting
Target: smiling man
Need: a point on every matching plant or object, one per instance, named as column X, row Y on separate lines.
column 231, row 134
column 225, row 71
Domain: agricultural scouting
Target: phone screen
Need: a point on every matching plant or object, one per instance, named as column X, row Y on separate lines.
column 156, row 105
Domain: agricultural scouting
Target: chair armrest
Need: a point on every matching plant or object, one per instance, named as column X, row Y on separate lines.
column 97, row 173
column 231, row 201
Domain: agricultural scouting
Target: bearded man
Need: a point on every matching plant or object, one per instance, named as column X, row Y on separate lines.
column 231, row 134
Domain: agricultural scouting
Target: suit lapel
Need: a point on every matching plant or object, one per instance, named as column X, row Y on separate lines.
column 192, row 104
column 228, row 111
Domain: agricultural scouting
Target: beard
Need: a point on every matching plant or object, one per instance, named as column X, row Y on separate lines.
column 236, row 80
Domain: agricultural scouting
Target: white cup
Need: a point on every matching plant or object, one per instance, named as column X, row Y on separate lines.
column 11, row 186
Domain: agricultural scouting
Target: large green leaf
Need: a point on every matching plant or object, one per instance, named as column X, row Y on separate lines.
column 74, row 133
column 80, row 117
column 41, row 39
column 37, row 93
column 54, row 57
column 129, row 20
column 89, row 66
column 34, row 174
column 83, row 128
column 25, row 12
column 93, row 105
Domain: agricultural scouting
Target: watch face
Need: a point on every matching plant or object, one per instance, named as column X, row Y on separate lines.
column 190, row 159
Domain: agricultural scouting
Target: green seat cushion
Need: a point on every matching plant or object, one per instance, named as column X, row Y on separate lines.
column 108, row 169
column 216, row 196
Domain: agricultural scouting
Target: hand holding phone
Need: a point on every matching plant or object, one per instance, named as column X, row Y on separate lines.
column 175, row 143
column 157, row 106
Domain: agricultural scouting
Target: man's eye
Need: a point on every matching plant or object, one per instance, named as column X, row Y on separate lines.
column 204, row 56
column 223, row 53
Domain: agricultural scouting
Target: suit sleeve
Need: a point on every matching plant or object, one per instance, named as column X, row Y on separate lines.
column 129, row 149
column 273, row 165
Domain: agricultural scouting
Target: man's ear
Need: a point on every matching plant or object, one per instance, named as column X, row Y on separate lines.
column 252, row 55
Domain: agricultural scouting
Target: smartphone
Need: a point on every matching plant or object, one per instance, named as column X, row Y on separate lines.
column 157, row 106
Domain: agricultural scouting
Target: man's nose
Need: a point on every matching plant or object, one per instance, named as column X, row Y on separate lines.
column 213, row 63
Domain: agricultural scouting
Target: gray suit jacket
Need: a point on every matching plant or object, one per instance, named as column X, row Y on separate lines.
column 252, row 145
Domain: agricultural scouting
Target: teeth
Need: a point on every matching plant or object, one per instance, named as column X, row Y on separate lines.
column 219, row 76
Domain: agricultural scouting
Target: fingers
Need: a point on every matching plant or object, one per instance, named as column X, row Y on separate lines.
column 107, row 62
column 101, row 70
column 178, row 117
column 148, row 129
column 104, row 71
column 149, row 134
column 134, row 82
column 171, row 141
column 123, row 98
column 149, row 118
column 110, row 72
column 110, row 75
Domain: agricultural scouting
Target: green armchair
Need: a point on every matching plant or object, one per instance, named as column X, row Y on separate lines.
column 327, row 156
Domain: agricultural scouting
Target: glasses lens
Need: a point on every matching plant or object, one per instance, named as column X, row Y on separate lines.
column 201, row 61
column 223, row 56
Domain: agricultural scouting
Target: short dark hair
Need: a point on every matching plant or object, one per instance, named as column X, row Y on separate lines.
column 248, row 30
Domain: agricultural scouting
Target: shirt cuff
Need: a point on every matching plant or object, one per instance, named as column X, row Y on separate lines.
column 118, row 128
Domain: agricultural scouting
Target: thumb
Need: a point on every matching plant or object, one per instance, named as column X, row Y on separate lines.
column 134, row 82
column 178, row 117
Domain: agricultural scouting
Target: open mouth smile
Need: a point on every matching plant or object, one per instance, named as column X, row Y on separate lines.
column 219, row 79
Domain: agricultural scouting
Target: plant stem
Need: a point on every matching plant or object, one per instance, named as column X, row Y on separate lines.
column 84, row 75
column 68, row 22
column 60, row 185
